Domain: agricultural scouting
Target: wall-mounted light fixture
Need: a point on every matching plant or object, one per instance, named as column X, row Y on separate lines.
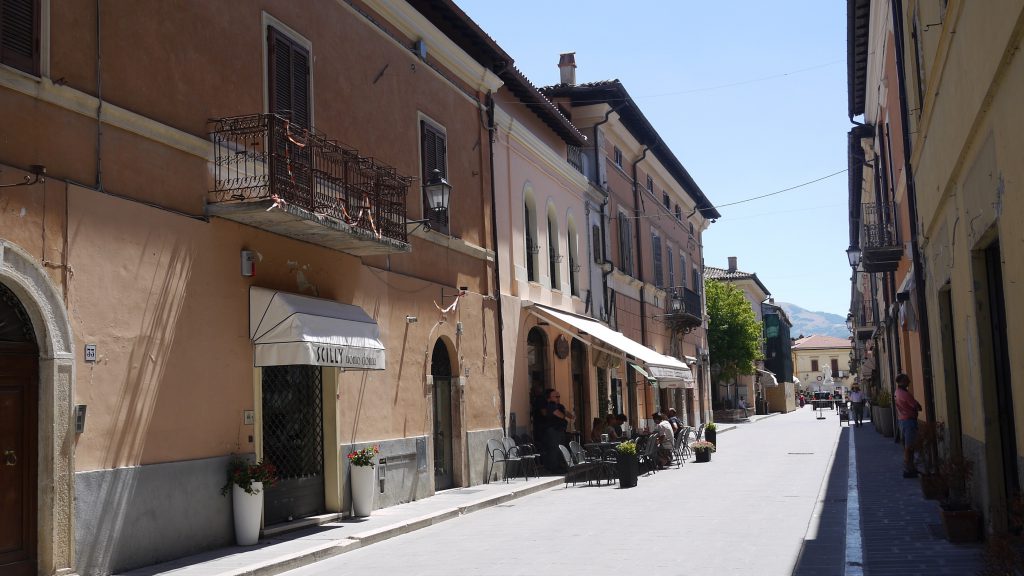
column 853, row 253
column 438, row 192
column 411, row 319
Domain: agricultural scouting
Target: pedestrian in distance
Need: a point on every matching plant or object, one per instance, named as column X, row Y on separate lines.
column 857, row 403
column 906, row 412
column 674, row 420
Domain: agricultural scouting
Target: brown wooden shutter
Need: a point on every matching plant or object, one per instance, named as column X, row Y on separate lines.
column 288, row 76
column 434, row 151
column 19, row 34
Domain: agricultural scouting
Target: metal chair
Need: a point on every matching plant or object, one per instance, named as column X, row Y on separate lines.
column 497, row 453
column 527, row 456
column 574, row 470
column 685, row 452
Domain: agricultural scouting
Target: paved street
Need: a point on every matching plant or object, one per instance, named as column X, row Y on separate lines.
column 747, row 512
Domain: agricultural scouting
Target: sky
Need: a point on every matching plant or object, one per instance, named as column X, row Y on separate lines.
column 749, row 95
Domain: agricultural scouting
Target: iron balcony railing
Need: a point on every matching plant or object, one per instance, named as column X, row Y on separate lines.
column 878, row 226
column 684, row 310
column 266, row 157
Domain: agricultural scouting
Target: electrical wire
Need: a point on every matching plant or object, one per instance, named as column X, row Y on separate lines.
column 781, row 191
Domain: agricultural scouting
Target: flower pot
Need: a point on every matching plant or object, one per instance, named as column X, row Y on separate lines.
column 933, row 487
column 961, row 526
column 703, row 455
column 711, row 436
column 885, row 425
column 629, row 468
column 248, row 511
column 361, row 479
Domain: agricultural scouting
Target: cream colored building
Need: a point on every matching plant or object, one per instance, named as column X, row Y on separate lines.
column 822, row 363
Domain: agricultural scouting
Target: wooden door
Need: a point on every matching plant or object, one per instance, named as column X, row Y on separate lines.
column 18, row 446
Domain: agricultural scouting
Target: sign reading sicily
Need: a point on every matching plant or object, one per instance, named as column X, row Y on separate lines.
column 364, row 358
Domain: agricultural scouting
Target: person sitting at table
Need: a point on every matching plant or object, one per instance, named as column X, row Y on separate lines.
column 674, row 420
column 597, row 428
column 665, row 439
column 611, row 428
column 620, row 426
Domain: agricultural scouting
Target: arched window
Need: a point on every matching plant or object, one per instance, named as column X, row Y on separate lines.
column 554, row 256
column 530, row 235
column 574, row 260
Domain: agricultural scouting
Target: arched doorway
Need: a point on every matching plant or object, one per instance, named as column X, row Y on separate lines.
column 537, row 371
column 19, row 406
column 53, row 491
column 441, row 371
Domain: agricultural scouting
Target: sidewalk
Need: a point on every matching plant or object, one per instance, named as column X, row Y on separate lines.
column 900, row 531
column 286, row 551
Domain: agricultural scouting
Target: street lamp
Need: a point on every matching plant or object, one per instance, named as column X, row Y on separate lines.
column 853, row 253
column 438, row 192
column 849, row 321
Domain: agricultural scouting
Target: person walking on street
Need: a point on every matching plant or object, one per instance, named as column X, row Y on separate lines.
column 906, row 411
column 857, row 403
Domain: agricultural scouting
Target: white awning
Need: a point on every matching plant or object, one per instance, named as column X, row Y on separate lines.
column 768, row 378
column 292, row 329
column 669, row 372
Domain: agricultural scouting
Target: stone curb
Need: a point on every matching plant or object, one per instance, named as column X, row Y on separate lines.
column 356, row 541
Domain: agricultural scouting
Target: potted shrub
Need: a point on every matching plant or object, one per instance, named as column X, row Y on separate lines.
column 627, row 464
column 361, row 474
column 246, row 482
column 881, row 413
column 961, row 522
column 702, row 449
column 711, row 433
column 926, row 446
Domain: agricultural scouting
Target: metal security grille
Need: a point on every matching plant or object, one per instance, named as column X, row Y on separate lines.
column 293, row 440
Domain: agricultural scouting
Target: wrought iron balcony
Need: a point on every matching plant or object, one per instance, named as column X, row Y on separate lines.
column 283, row 178
column 880, row 243
column 684, row 311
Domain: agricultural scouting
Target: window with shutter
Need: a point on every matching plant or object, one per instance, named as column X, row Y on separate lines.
column 682, row 270
column 434, row 148
column 19, row 35
column 595, row 241
column 531, row 243
column 288, row 76
column 659, row 278
column 625, row 245
column 671, row 280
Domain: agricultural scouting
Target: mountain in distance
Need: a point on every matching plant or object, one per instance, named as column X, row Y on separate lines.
column 807, row 322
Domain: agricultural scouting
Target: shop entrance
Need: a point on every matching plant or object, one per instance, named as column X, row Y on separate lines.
column 19, row 385
column 293, row 441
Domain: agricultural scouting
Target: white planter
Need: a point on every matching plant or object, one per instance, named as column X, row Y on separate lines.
column 248, row 509
column 361, row 479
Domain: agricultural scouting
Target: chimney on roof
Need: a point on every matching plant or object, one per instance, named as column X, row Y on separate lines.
column 567, row 68
column 732, row 263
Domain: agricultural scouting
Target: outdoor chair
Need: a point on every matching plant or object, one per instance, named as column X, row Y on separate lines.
column 497, row 454
column 684, row 443
column 574, row 471
column 648, row 456
column 581, row 455
column 677, row 447
column 699, row 435
column 526, row 454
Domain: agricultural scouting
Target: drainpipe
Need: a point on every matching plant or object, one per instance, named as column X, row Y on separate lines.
column 600, row 186
column 497, row 260
column 639, row 252
column 919, row 278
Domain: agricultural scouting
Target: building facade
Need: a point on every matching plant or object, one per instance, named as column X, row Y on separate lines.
column 646, row 217
column 947, row 77
column 175, row 290
column 822, row 363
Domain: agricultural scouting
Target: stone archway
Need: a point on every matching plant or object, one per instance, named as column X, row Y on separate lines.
column 23, row 275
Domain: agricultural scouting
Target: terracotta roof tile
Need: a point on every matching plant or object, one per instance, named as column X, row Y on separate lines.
column 821, row 341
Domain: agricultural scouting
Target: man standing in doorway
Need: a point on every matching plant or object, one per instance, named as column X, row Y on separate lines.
column 906, row 411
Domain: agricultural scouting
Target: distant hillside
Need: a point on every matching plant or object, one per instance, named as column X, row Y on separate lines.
column 806, row 322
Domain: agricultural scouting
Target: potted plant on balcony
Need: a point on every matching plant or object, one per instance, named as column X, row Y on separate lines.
column 711, row 433
column 627, row 464
column 702, row 449
column 246, row 482
column 361, row 473
column 961, row 522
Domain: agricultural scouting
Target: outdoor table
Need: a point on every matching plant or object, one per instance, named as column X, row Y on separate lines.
column 602, row 448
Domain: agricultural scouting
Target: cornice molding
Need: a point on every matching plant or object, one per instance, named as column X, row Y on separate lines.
column 549, row 158
column 447, row 53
